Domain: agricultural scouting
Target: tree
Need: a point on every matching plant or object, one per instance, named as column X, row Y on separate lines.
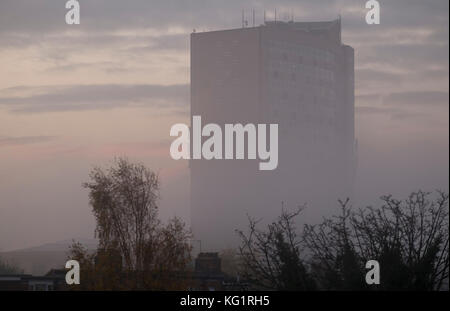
column 334, row 262
column 167, row 257
column 100, row 269
column 8, row 268
column 133, row 243
column 271, row 259
column 408, row 238
column 123, row 201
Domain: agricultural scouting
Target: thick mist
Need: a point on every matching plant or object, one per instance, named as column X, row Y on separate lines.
column 74, row 99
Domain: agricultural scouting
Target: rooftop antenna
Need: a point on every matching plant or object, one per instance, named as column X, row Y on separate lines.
column 243, row 25
column 275, row 15
column 253, row 11
column 339, row 25
column 264, row 16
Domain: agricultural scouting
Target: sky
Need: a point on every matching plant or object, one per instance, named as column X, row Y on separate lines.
column 75, row 96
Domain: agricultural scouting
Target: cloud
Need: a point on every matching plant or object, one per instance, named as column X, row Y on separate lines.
column 412, row 36
column 24, row 140
column 89, row 97
column 368, row 74
column 394, row 113
column 425, row 99
column 408, row 106
column 177, row 42
column 48, row 15
column 136, row 149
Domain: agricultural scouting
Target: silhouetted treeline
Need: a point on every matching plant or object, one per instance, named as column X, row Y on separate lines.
column 8, row 268
column 408, row 238
column 136, row 251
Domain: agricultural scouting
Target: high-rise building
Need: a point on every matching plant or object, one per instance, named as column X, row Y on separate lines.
column 298, row 75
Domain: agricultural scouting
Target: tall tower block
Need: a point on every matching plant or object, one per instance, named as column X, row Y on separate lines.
column 298, row 75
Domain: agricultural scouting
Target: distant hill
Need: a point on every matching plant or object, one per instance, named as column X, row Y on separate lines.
column 60, row 245
column 38, row 260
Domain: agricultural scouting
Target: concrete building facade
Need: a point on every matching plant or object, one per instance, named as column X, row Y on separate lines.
column 298, row 75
